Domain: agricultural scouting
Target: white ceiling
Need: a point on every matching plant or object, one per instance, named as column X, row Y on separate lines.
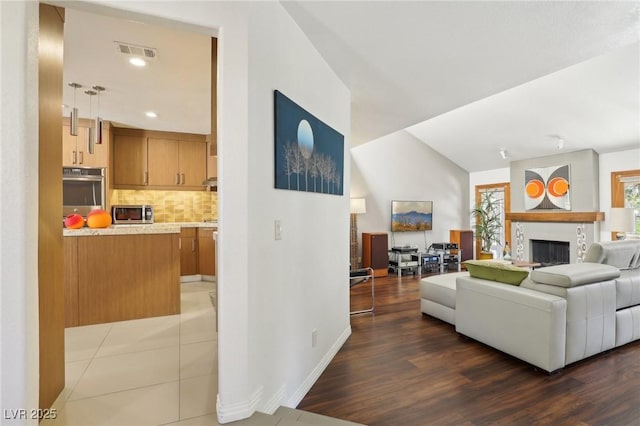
column 466, row 78
column 485, row 75
column 176, row 84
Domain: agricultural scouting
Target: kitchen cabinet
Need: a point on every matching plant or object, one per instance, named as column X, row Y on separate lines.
column 176, row 162
column 129, row 160
column 206, row 252
column 188, row 251
column 120, row 277
column 75, row 149
column 144, row 159
column 70, row 253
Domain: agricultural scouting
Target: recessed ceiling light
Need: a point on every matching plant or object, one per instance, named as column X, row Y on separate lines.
column 138, row 62
column 151, row 114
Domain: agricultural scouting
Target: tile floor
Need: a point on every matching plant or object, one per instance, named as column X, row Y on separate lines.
column 153, row 371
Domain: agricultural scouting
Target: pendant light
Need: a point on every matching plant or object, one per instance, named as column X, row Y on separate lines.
column 98, row 122
column 73, row 119
column 91, row 141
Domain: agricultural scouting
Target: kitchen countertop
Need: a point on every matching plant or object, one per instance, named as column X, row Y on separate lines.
column 213, row 224
column 155, row 228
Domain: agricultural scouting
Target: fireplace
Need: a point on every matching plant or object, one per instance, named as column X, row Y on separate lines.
column 550, row 253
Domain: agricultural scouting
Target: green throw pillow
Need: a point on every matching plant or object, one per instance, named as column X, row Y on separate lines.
column 496, row 271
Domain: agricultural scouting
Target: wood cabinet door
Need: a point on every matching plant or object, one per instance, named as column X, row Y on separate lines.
column 69, row 151
column 188, row 251
column 193, row 163
column 129, row 160
column 206, row 252
column 163, row 157
column 74, row 148
column 70, row 253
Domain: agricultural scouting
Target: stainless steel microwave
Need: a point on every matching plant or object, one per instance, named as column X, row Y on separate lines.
column 122, row 214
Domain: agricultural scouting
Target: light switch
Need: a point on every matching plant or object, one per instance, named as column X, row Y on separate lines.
column 277, row 229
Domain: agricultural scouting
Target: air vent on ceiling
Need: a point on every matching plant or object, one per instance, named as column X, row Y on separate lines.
column 131, row 49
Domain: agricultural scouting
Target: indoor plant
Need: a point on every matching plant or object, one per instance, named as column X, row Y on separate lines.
column 488, row 226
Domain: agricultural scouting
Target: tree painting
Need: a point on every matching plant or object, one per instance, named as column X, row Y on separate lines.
column 309, row 155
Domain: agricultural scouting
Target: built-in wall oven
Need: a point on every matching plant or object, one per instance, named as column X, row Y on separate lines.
column 83, row 190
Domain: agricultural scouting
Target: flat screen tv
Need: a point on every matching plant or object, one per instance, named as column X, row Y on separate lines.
column 411, row 216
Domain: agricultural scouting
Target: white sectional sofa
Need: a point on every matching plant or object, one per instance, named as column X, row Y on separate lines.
column 557, row 315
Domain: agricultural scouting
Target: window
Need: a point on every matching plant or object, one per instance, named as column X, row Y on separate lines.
column 631, row 187
column 625, row 192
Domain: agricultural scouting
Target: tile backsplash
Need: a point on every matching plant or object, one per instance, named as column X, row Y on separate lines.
column 172, row 206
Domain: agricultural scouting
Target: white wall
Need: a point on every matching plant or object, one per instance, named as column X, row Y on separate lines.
column 486, row 177
column 263, row 293
column 18, row 214
column 296, row 284
column 613, row 162
column 608, row 162
column 400, row 167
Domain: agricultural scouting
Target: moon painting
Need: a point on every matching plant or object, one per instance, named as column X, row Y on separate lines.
column 309, row 155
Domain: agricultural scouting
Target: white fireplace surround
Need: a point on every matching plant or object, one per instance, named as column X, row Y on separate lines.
column 579, row 236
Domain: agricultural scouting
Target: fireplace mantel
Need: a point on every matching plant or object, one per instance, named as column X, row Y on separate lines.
column 579, row 217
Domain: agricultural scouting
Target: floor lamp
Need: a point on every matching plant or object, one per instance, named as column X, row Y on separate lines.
column 622, row 220
column 357, row 206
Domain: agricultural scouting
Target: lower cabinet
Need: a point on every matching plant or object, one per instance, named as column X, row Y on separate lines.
column 120, row 277
column 188, row 251
column 206, row 251
column 197, row 252
column 70, row 253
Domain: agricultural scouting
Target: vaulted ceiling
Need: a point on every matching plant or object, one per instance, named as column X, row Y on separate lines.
column 466, row 78
column 471, row 78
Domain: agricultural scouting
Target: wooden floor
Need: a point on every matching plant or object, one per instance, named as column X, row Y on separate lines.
column 400, row 367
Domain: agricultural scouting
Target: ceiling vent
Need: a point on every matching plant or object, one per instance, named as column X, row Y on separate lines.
column 132, row 49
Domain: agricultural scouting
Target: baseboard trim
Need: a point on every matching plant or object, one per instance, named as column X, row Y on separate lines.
column 239, row 410
column 197, row 278
column 275, row 402
column 306, row 385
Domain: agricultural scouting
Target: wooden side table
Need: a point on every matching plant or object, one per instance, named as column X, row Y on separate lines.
column 525, row 264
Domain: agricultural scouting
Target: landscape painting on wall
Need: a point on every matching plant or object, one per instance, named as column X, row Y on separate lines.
column 309, row 155
column 411, row 216
column 547, row 188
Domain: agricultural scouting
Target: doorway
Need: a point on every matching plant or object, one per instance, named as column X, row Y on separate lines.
column 56, row 165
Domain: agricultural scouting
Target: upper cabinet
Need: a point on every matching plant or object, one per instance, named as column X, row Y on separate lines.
column 144, row 159
column 129, row 160
column 75, row 149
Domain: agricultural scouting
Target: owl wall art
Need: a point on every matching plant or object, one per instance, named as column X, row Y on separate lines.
column 547, row 188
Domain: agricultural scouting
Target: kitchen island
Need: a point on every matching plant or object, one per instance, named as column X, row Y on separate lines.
column 121, row 273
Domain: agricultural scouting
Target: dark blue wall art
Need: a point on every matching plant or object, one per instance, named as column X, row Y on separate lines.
column 309, row 155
